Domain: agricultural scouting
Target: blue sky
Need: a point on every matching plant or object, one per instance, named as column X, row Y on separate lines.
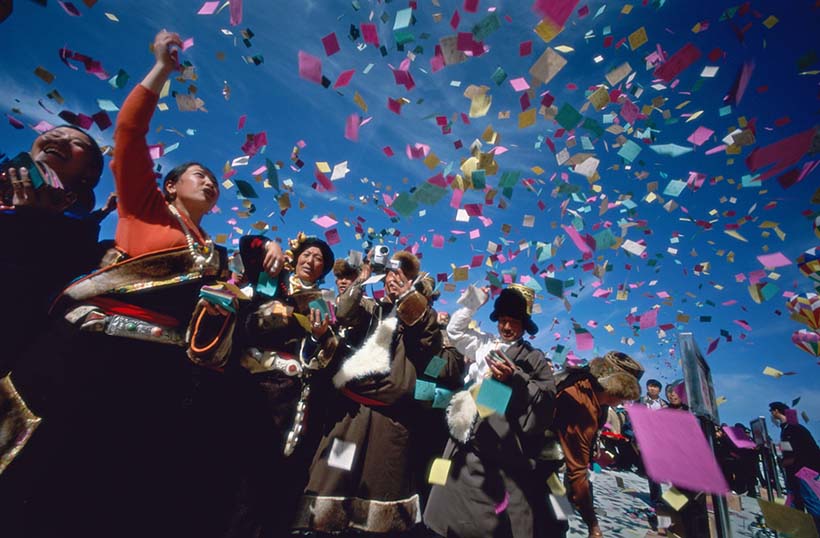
column 687, row 270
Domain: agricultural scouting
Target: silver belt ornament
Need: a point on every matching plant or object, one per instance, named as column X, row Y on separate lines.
column 92, row 319
column 273, row 361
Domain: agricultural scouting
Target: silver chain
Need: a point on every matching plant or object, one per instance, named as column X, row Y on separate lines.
column 200, row 260
column 298, row 419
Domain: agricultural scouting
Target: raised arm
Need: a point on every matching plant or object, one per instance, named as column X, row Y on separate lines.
column 464, row 339
column 131, row 164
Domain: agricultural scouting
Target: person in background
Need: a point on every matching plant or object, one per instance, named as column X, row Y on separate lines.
column 674, row 399
column 653, row 400
column 581, row 404
column 799, row 450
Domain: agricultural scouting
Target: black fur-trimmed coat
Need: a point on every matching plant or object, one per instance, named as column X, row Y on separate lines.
column 376, row 413
column 492, row 488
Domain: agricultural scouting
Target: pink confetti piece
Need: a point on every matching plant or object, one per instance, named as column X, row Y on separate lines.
column 352, row 128
column 242, row 119
column 471, row 6
column 43, row 126
column 394, row 105
column 188, row 43
column 332, row 237
column 774, row 260
column 525, row 48
column 679, row 61
column 700, row 135
column 14, row 122
column 519, row 84
column 370, row 33
column 310, row 67
column 208, row 8
column 455, row 19
column 324, row 181
column 236, row 12
column 325, row 221
column 557, row 11
column 331, row 44
column 344, row 79
column 438, row 241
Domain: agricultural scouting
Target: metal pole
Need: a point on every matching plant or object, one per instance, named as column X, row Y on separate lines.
column 721, row 508
column 767, row 473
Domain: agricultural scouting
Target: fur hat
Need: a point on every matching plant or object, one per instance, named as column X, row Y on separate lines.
column 302, row 242
column 408, row 263
column 342, row 268
column 618, row 374
column 516, row 301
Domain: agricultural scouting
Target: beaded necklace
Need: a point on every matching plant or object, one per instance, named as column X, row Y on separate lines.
column 201, row 254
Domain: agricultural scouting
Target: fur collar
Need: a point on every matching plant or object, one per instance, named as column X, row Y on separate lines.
column 461, row 415
column 373, row 358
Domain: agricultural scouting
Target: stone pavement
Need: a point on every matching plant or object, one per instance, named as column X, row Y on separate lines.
column 623, row 511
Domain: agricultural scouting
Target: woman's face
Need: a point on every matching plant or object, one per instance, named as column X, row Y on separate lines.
column 310, row 264
column 195, row 189
column 69, row 153
column 673, row 397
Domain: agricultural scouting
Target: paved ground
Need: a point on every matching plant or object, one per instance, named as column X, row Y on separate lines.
column 623, row 511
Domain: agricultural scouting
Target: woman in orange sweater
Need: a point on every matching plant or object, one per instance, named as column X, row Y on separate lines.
column 135, row 439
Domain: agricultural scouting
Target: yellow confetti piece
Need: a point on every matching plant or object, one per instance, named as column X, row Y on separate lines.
column 564, row 48
column 113, row 18
column 537, row 170
column 228, row 184
column 638, row 38
column 162, row 107
column 359, row 101
column 323, row 167
column 221, row 238
column 770, row 21
column 675, row 499
column 773, row 372
column 694, row 116
column 439, row 472
column 431, row 161
column 480, row 105
column 627, row 9
column 599, row 98
column 720, row 400
column 526, row 118
column 733, row 233
column 547, row 30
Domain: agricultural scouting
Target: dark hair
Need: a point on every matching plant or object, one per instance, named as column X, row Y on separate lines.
column 780, row 407
column 653, row 383
column 96, row 155
column 173, row 176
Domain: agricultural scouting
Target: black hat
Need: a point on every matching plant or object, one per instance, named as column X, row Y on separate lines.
column 516, row 302
column 302, row 242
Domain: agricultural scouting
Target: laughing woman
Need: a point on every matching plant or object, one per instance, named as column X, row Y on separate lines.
column 132, row 434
